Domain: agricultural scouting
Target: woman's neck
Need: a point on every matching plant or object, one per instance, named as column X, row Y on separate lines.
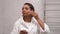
column 27, row 18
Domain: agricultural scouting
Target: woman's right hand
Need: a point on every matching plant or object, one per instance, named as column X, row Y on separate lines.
column 23, row 32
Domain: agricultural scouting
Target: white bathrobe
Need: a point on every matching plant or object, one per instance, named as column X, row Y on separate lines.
column 31, row 28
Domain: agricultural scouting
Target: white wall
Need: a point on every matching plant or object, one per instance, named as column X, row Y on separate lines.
column 12, row 11
column 1, row 16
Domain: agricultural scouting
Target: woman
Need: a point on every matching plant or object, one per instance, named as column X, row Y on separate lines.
column 29, row 23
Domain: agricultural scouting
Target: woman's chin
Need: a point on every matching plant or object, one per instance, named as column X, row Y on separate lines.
column 24, row 15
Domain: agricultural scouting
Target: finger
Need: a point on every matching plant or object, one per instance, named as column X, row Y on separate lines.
column 23, row 32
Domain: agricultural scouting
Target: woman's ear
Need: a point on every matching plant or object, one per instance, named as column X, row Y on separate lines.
column 32, row 11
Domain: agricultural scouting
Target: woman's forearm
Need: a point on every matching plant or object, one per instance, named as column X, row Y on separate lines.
column 40, row 22
column 35, row 15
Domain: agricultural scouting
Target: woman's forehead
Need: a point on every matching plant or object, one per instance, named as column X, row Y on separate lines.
column 26, row 6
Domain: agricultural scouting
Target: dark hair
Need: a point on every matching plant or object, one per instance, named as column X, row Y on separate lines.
column 30, row 5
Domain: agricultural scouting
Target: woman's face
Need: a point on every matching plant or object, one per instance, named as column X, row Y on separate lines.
column 25, row 10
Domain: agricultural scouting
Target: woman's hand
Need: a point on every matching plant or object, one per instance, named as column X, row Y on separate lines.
column 23, row 32
column 34, row 14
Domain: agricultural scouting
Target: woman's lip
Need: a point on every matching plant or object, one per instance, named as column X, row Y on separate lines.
column 24, row 13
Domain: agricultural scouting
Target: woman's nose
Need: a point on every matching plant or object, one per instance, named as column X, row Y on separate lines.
column 23, row 10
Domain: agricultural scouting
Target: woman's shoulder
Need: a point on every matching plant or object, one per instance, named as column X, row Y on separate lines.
column 19, row 21
column 34, row 21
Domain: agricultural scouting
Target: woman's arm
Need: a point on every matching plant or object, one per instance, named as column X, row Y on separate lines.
column 35, row 15
column 39, row 21
column 43, row 27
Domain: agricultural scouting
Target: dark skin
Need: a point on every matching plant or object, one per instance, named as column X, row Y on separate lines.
column 23, row 32
column 27, row 16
